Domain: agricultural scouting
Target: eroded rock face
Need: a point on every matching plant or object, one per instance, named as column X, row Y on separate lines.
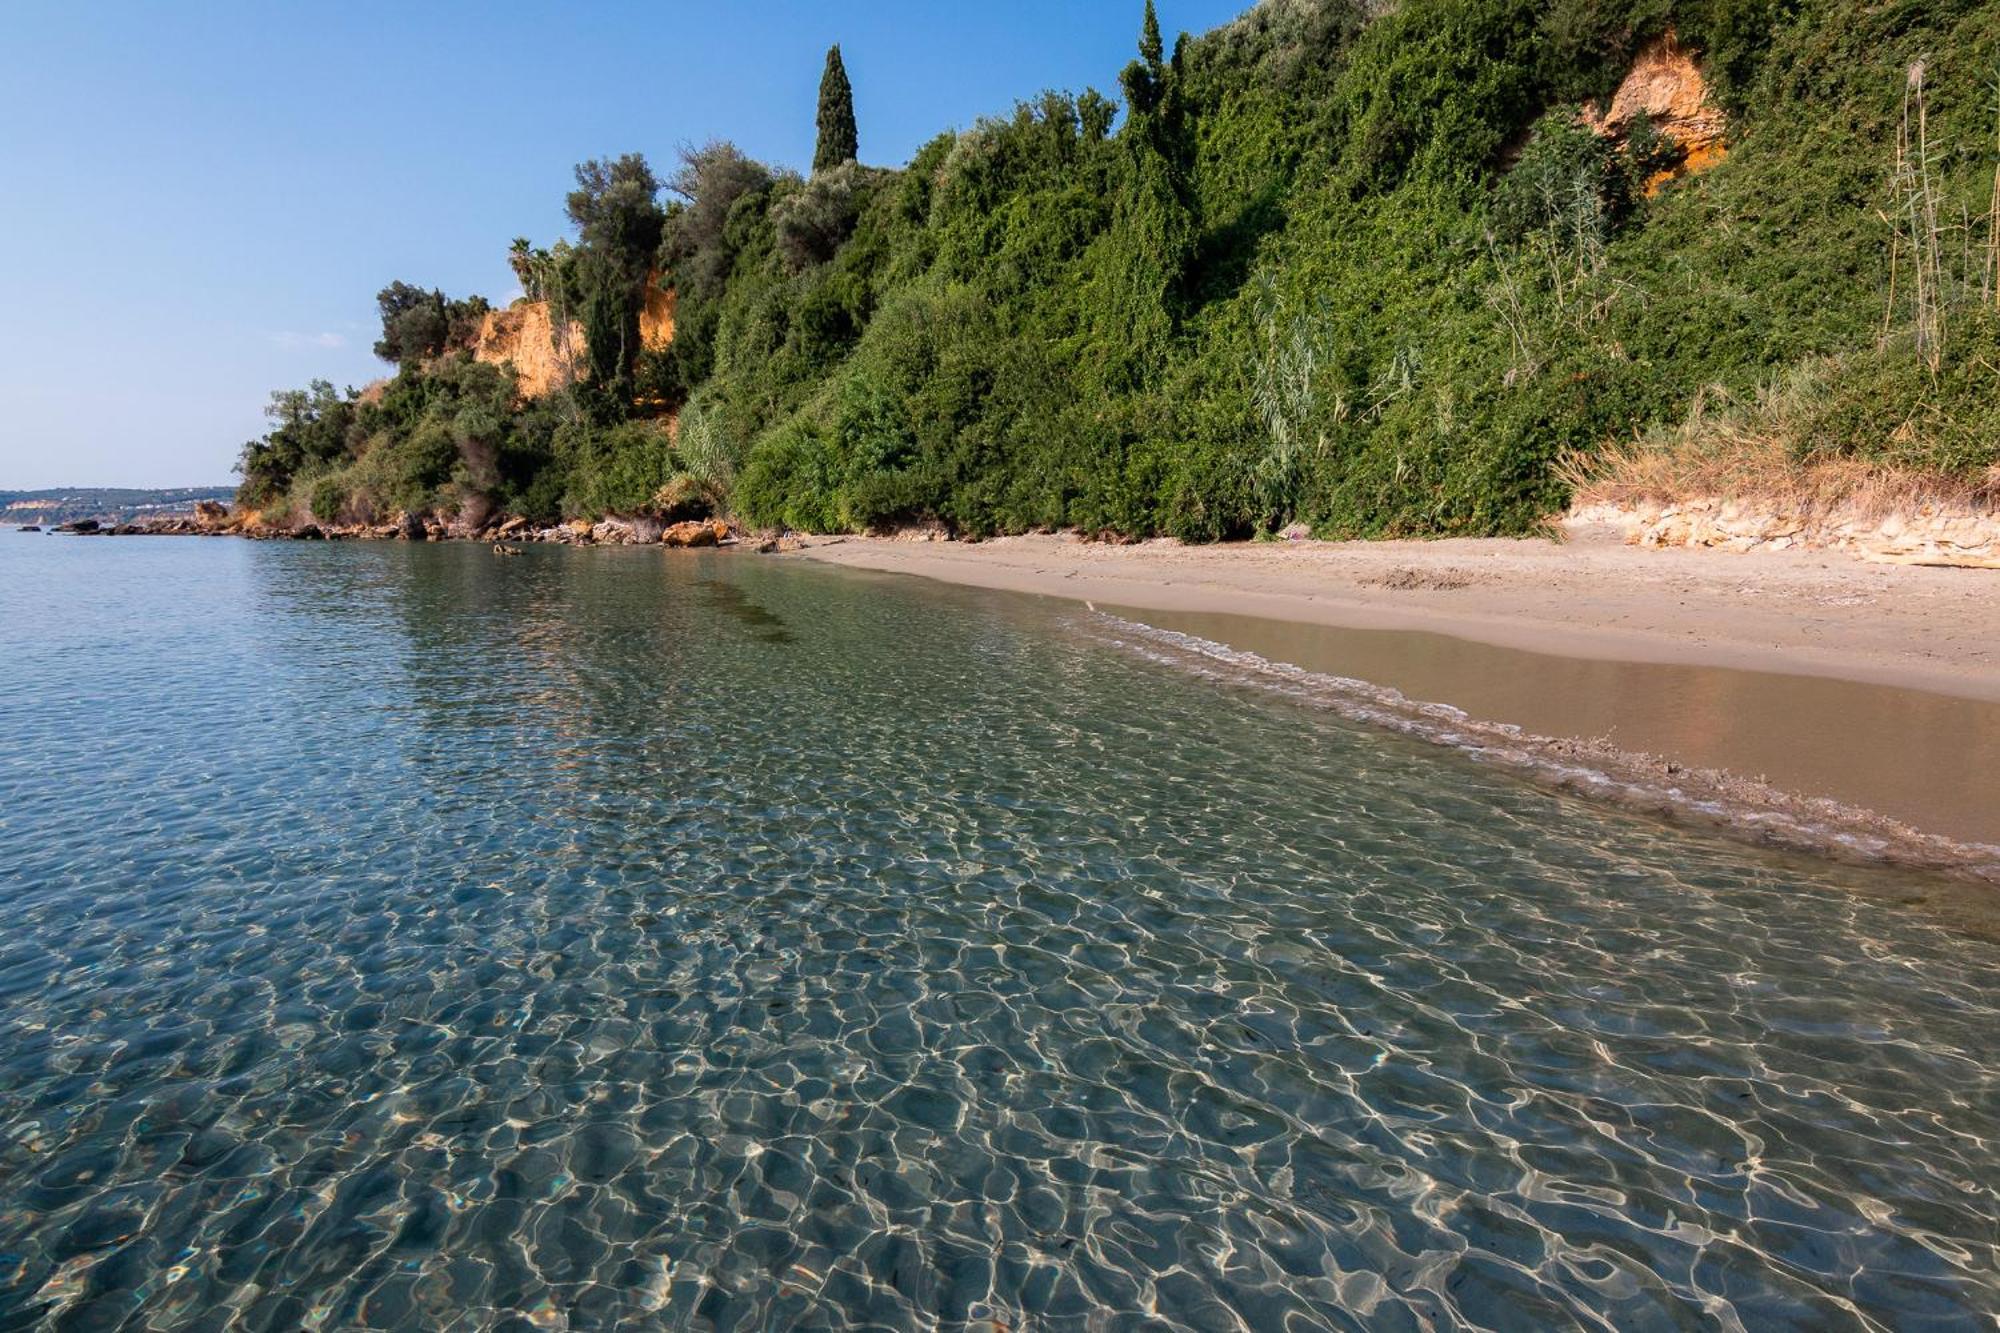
column 1933, row 535
column 524, row 336
column 656, row 318
column 545, row 358
column 1667, row 84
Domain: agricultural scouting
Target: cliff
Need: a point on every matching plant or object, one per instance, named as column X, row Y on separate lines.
column 524, row 335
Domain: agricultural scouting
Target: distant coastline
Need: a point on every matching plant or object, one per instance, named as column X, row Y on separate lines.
column 106, row 505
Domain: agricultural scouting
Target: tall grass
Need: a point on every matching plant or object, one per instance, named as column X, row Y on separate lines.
column 1916, row 245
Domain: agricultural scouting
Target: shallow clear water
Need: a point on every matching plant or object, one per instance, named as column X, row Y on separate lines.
column 408, row 937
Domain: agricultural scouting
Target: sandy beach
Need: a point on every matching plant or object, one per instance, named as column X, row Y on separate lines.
column 1800, row 613
column 1875, row 687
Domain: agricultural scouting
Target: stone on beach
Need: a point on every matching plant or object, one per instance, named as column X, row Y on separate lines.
column 709, row 532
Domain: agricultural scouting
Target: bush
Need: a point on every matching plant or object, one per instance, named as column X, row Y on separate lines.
column 617, row 470
column 817, row 217
column 328, row 498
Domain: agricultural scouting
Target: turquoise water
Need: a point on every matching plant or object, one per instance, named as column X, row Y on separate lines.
column 408, row 937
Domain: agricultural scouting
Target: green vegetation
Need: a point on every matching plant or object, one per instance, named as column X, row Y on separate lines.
column 1355, row 269
column 417, row 324
column 839, row 139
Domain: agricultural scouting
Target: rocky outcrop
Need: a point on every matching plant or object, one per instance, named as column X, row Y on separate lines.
column 1666, row 83
column 638, row 530
column 613, row 532
column 1931, row 535
column 709, row 532
column 523, row 336
column 545, row 358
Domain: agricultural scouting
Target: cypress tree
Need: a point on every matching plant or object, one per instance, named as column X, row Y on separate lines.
column 1151, row 50
column 839, row 140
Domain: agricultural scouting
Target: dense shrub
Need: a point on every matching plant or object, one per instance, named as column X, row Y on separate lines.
column 814, row 220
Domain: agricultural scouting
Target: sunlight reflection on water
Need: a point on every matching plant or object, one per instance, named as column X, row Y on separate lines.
column 399, row 936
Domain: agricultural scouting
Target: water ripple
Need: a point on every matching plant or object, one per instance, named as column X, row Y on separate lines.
column 405, row 938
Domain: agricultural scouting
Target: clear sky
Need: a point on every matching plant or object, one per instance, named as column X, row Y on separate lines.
column 199, row 200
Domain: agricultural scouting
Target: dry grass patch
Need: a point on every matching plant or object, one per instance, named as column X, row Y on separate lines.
column 1761, row 450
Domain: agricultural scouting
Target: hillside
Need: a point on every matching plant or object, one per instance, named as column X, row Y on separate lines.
column 1370, row 271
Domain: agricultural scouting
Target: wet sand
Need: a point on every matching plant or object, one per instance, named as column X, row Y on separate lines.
column 1929, row 760
column 1874, row 686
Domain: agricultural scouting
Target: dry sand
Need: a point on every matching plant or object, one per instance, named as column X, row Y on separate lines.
column 1871, row 693
column 1800, row 613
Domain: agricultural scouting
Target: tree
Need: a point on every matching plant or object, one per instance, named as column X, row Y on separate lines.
column 414, row 323
column 616, row 209
column 309, row 429
column 839, row 139
column 709, row 181
column 1155, row 217
column 1145, row 78
column 1095, row 112
column 813, row 223
column 418, row 325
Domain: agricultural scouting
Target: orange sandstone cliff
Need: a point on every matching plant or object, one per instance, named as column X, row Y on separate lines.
column 546, row 359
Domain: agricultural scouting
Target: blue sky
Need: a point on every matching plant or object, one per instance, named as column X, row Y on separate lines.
column 201, row 199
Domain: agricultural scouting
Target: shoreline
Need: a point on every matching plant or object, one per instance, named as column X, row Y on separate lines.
column 1796, row 699
column 1792, row 613
column 1796, row 702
